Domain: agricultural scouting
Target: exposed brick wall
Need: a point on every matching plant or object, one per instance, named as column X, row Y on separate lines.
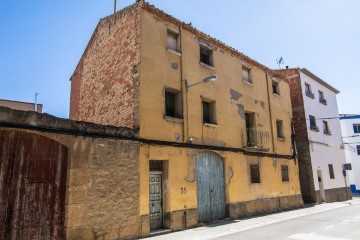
column 301, row 135
column 104, row 85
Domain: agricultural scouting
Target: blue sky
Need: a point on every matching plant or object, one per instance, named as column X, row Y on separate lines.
column 41, row 41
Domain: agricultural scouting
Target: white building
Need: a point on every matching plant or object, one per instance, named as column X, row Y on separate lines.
column 350, row 127
column 318, row 137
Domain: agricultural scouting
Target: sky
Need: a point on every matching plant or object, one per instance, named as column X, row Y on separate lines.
column 41, row 41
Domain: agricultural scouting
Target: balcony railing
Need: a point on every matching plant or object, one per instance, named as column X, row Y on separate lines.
column 309, row 94
column 255, row 139
column 323, row 101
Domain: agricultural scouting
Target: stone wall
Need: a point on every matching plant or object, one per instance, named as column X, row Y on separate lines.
column 104, row 86
column 102, row 199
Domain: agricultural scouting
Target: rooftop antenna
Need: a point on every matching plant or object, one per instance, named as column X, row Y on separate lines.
column 280, row 61
column 35, row 106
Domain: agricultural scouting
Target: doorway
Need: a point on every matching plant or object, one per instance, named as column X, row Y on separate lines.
column 155, row 195
column 321, row 185
column 210, row 187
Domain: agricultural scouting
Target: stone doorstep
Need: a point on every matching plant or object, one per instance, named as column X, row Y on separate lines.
column 158, row 232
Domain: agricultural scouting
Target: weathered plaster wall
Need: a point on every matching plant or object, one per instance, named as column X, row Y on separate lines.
column 102, row 177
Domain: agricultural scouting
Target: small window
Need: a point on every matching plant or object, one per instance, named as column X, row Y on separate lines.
column 173, row 103
column 284, row 173
column 246, row 74
column 313, row 123
column 308, row 91
column 173, row 41
column 280, row 129
column 322, row 98
column 206, row 56
column 209, row 112
column 356, row 128
column 255, row 173
column 358, row 149
column 276, row 87
column 326, row 128
column 331, row 171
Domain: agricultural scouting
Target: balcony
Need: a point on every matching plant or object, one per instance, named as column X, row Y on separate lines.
column 314, row 128
column 309, row 94
column 327, row 132
column 255, row 140
column 323, row 101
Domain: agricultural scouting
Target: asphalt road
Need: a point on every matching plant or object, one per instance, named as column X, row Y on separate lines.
column 338, row 224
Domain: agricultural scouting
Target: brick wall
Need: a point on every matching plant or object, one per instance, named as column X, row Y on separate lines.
column 104, row 85
column 301, row 135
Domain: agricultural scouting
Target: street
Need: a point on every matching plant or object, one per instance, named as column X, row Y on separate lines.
column 339, row 224
column 331, row 221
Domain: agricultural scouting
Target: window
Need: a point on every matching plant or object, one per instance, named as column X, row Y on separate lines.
column 255, row 173
column 209, row 112
column 322, row 98
column 326, row 128
column 356, row 128
column 275, row 87
column 308, row 91
column 173, row 103
column 280, row 129
column 331, row 171
column 284, row 173
column 358, row 149
column 206, row 56
column 313, row 123
column 246, row 74
column 173, row 41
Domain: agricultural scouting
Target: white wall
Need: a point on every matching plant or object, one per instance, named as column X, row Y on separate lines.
column 350, row 151
column 327, row 148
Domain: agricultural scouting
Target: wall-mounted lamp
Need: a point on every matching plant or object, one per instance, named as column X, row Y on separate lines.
column 208, row 79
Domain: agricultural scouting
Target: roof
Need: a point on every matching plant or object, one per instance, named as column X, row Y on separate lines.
column 151, row 8
column 349, row 116
column 291, row 71
column 319, row 80
column 5, row 100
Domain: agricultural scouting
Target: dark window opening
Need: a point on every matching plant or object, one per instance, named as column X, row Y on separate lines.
column 358, row 149
column 326, row 128
column 155, row 165
column 331, row 171
column 173, row 104
column 308, row 91
column 276, row 88
column 209, row 114
column 255, row 173
column 284, row 173
column 206, row 56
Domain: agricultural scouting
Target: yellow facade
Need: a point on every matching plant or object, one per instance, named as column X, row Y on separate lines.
column 161, row 69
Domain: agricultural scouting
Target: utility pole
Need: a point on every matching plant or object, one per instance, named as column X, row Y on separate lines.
column 35, row 106
column 115, row 6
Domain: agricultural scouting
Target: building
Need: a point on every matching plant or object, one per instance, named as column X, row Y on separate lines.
column 210, row 149
column 318, row 137
column 23, row 106
column 350, row 127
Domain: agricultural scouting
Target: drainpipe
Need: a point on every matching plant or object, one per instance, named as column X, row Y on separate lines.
column 270, row 113
column 183, row 89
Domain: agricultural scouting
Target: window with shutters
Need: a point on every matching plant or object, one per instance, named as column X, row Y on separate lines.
column 284, row 173
column 173, row 41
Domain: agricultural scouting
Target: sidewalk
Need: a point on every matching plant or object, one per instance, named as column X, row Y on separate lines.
column 229, row 227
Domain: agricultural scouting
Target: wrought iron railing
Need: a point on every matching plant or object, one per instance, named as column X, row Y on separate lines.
column 309, row 94
column 256, row 139
column 323, row 101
